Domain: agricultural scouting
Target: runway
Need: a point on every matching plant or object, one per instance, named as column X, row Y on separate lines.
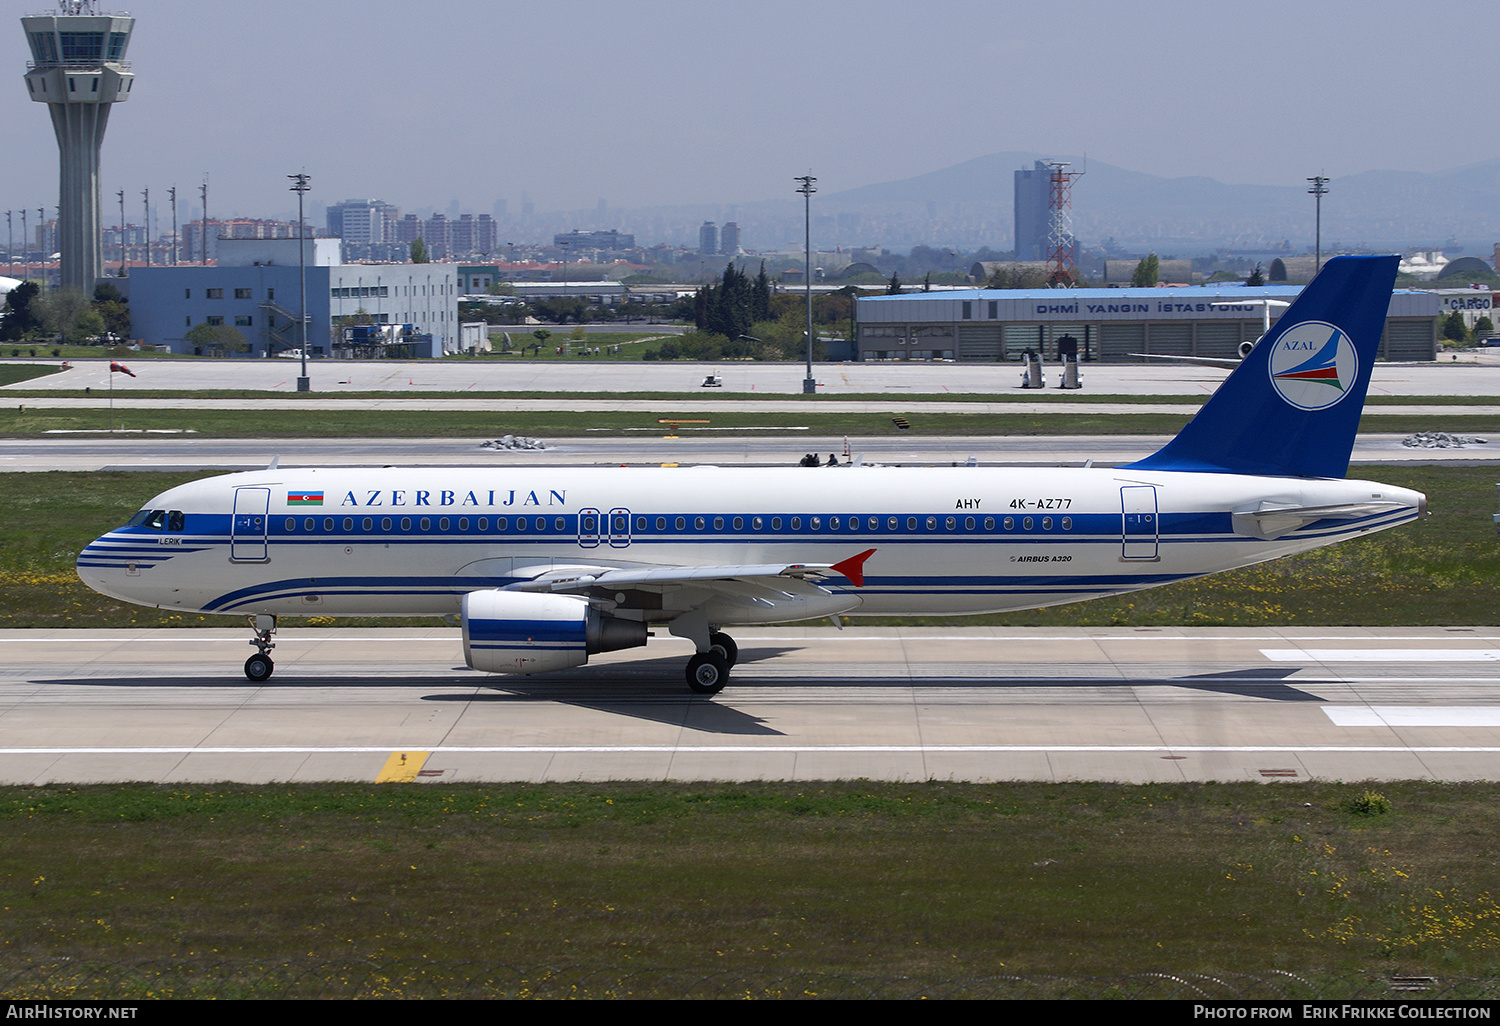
column 1474, row 373
column 983, row 704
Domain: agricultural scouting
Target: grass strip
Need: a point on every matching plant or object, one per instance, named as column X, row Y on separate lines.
column 936, row 881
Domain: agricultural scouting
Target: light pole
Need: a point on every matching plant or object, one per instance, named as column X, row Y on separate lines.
column 809, row 384
column 300, row 187
column 1318, row 191
column 121, row 194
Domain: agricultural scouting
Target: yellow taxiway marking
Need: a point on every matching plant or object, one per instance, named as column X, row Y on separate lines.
column 402, row 767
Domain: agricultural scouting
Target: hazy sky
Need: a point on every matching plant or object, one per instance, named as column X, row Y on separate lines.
column 668, row 101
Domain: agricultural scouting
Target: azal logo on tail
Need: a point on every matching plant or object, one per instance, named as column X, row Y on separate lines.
column 1313, row 365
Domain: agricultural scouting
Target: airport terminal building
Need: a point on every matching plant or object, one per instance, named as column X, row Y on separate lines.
column 1109, row 325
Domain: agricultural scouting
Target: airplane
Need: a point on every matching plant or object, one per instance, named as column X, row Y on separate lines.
column 545, row 567
column 1225, row 362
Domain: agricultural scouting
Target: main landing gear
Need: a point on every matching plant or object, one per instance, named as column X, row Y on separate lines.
column 259, row 666
column 708, row 671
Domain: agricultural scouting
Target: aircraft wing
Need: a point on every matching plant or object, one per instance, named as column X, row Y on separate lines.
column 587, row 578
column 1207, row 361
column 1271, row 520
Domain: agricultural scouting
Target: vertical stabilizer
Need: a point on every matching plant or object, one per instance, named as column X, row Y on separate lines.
column 1291, row 408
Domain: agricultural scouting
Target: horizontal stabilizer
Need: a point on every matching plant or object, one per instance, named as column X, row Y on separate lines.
column 1270, row 520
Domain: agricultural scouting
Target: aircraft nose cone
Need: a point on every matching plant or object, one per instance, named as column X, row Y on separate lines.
column 95, row 570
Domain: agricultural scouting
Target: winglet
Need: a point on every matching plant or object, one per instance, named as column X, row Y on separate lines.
column 854, row 567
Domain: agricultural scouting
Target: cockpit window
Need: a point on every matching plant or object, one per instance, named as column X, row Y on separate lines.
column 159, row 520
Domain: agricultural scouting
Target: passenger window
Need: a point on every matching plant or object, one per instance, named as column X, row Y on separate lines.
column 775, row 523
column 561, row 524
column 815, row 523
column 291, row 523
column 406, row 524
column 833, row 523
column 739, row 523
column 1026, row 524
column 681, row 523
column 1046, row 523
column 932, row 523
column 442, row 524
column 385, row 523
column 307, row 525
column 1067, row 523
column 1010, row 523
column 796, row 523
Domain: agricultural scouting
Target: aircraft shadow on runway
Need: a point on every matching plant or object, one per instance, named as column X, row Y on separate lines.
column 652, row 689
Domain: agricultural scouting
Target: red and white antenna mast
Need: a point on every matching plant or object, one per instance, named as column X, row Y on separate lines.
column 1061, row 268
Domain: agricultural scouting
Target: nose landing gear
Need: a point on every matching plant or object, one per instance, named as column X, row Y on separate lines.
column 259, row 666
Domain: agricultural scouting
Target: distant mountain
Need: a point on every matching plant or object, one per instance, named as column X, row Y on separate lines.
column 970, row 205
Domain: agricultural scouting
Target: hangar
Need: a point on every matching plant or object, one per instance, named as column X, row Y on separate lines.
column 988, row 325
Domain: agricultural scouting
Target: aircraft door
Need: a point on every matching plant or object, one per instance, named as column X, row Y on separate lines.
column 589, row 528
column 248, row 526
column 619, row 528
column 1139, row 522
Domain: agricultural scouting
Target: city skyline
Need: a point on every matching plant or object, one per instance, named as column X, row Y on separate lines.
column 579, row 102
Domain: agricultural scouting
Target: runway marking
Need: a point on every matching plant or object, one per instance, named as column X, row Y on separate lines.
column 743, row 749
column 401, row 767
column 1413, row 715
column 1382, row 655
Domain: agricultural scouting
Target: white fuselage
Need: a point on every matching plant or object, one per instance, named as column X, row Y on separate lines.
column 414, row 541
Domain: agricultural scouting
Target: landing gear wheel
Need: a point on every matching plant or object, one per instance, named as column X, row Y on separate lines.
column 259, row 667
column 725, row 646
column 707, row 672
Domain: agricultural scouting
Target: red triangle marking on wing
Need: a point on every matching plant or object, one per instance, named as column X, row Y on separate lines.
column 854, row 567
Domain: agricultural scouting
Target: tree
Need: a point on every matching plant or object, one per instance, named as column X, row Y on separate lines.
column 1454, row 329
column 760, row 298
column 1147, row 273
column 893, row 287
column 418, row 251
column 1483, row 327
column 1257, row 277
column 20, row 313
column 69, row 314
column 217, row 337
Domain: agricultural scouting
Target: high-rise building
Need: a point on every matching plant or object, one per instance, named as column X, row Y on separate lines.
column 1033, row 211
column 361, row 221
column 729, row 238
column 78, row 69
column 708, row 239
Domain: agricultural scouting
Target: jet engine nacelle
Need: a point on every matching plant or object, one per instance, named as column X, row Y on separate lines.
column 1245, row 348
column 524, row 632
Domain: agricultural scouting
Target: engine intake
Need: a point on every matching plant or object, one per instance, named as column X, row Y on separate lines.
column 524, row 632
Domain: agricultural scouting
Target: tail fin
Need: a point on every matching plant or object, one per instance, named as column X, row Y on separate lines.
column 1292, row 406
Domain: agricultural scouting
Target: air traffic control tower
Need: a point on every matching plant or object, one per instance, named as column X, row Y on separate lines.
column 78, row 69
